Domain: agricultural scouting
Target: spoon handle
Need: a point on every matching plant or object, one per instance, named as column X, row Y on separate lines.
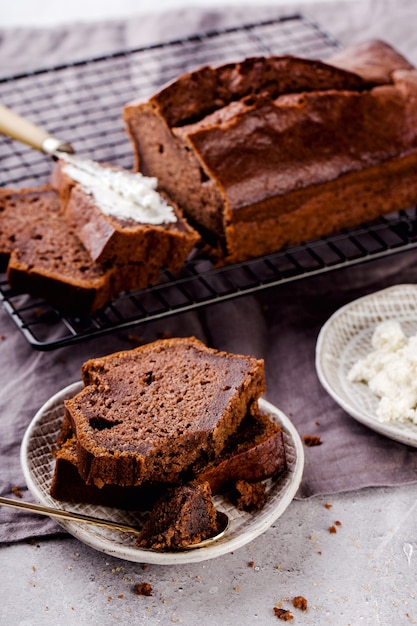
column 66, row 515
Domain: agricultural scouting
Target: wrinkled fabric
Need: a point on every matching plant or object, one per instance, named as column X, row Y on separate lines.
column 280, row 324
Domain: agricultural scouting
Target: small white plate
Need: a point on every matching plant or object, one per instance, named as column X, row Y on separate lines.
column 38, row 465
column 346, row 337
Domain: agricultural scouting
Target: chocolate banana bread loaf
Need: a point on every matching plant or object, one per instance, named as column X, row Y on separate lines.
column 270, row 152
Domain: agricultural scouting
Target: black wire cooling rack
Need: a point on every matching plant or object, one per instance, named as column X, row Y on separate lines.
column 82, row 103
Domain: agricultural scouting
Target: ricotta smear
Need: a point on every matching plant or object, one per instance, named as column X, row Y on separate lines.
column 390, row 370
column 119, row 193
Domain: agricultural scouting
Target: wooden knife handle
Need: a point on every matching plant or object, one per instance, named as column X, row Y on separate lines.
column 17, row 127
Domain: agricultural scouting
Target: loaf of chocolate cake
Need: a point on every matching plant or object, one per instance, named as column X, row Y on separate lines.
column 270, row 152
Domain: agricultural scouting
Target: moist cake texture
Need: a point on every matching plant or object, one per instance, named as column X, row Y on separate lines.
column 255, row 452
column 68, row 486
column 17, row 208
column 152, row 412
column 48, row 260
column 184, row 516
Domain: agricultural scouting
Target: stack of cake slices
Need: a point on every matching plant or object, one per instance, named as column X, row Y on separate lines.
column 165, row 425
column 69, row 244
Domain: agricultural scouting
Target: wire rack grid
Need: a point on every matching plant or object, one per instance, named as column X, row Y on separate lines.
column 82, row 103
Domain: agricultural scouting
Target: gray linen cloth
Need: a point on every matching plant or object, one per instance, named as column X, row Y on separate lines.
column 280, row 324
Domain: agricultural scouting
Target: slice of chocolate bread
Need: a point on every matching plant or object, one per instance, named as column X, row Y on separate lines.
column 121, row 217
column 254, row 453
column 68, row 486
column 48, row 260
column 17, row 208
column 43, row 255
column 150, row 414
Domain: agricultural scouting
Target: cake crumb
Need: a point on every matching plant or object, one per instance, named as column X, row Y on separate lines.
column 328, row 506
column 143, row 589
column 299, row 602
column 311, row 440
column 332, row 529
column 17, row 491
column 283, row 614
column 248, row 496
column 337, row 523
column 251, row 564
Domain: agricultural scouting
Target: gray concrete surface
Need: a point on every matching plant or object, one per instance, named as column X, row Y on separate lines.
column 363, row 574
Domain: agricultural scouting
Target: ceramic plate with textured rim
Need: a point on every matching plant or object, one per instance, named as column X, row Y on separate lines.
column 346, row 337
column 38, row 464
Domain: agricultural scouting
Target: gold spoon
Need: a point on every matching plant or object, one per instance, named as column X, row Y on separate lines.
column 222, row 519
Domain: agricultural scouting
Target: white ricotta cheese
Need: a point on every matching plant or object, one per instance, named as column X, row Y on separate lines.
column 390, row 371
column 122, row 194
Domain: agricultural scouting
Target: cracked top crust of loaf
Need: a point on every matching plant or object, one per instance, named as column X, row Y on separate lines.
column 150, row 413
